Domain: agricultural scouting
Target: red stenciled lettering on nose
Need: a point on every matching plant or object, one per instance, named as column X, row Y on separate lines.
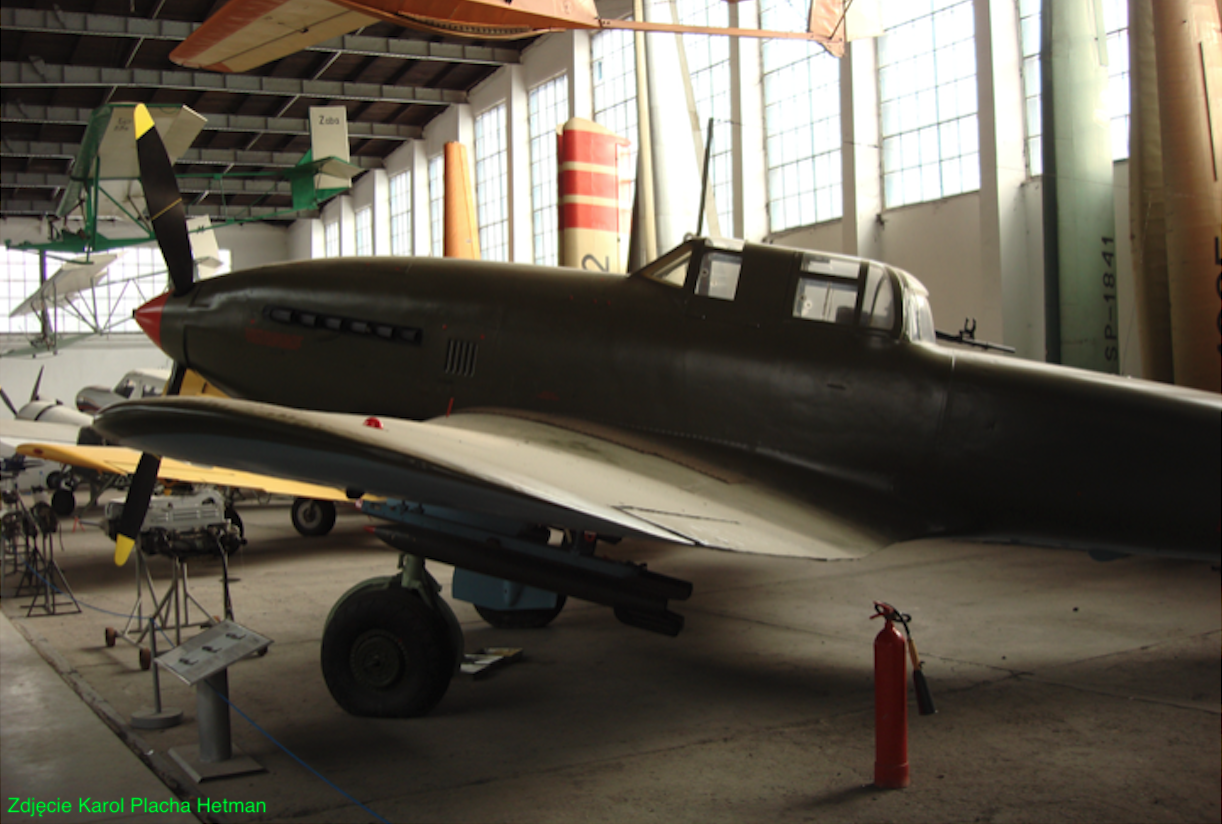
column 276, row 340
column 149, row 317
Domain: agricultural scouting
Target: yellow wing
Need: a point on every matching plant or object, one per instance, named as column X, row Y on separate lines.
column 118, row 460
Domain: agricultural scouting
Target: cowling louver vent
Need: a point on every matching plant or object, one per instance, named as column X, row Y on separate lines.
column 460, row 358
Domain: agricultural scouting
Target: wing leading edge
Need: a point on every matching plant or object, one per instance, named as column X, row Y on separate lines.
column 496, row 464
column 118, row 460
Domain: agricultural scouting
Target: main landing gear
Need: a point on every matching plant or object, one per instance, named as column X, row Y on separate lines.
column 392, row 644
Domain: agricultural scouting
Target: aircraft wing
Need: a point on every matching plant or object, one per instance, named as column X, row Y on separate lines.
column 14, row 433
column 118, row 460
column 241, row 36
column 71, row 278
column 500, row 465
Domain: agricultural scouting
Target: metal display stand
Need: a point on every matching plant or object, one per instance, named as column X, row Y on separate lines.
column 156, row 717
column 28, row 542
column 172, row 611
column 203, row 662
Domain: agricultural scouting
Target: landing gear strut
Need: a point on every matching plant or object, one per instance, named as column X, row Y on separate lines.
column 391, row 645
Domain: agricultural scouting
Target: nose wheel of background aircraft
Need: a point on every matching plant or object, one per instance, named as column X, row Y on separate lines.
column 313, row 518
column 389, row 650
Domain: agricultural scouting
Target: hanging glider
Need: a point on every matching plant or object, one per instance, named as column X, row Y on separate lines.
column 243, row 36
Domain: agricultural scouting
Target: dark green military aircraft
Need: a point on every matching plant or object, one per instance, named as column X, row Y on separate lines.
column 736, row 396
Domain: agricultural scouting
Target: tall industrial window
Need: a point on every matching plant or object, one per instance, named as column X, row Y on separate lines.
column 437, row 199
column 801, row 123
column 401, row 213
column 137, row 276
column 18, row 280
column 492, row 183
column 708, row 63
column 613, row 72
column 549, row 109
column 927, row 94
column 364, row 231
column 1030, row 39
column 330, row 239
column 1116, row 25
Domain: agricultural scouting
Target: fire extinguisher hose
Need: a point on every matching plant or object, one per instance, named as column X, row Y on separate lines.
column 925, row 705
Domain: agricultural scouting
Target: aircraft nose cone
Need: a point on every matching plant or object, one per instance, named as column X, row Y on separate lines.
column 149, row 317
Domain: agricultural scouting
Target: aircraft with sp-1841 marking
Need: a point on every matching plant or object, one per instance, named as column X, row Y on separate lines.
column 735, row 396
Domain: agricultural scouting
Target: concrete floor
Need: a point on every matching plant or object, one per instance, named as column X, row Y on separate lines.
column 1068, row 690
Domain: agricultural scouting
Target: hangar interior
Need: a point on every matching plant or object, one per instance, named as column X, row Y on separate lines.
column 798, row 144
column 1069, row 690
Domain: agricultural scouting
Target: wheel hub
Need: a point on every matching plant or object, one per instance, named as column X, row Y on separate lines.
column 310, row 515
column 378, row 659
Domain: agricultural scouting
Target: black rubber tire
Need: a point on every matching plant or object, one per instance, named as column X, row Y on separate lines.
column 63, row 502
column 520, row 618
column 313, row 518
column 112, row 635
column 386, row 654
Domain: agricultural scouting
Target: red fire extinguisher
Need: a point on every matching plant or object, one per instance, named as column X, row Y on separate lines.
column 891, row 652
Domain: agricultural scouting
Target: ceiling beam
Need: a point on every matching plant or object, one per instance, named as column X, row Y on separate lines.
column 28, row 208
column 41, row 208
column 67, row 116
column 192, row 157
column 38, row 74
column 188, row 184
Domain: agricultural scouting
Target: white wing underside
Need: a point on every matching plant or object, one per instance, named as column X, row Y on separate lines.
column 507, row 466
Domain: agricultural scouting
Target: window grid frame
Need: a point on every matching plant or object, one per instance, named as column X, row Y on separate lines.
column 921, row 47
column 330, row 239
column 548, row 110
column 708, row 64
column 400, row 211
column 492, row 182
column 363, row 230
column 803, row 155
column 437, row 197
column 613, row 81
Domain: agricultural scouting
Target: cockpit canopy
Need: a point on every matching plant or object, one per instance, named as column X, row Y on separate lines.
column 823, row 288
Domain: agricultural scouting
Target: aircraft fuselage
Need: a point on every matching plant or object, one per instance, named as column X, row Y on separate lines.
column 759, row 373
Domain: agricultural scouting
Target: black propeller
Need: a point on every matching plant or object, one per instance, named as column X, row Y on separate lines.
column 169, row 220
column 8, row 402
column 166, row 212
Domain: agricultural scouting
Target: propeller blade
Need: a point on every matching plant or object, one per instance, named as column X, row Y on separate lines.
column 166, row 210
column 8, row 402
column 136, row 506
column 169, row 219
column 141, row 490
column 37, row 384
